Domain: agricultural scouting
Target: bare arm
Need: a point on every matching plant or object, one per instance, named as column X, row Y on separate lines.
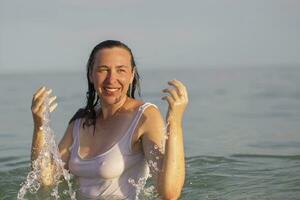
column 38, row 141
column 166, row 158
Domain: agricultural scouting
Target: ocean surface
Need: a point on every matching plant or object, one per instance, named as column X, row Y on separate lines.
column 241, row 128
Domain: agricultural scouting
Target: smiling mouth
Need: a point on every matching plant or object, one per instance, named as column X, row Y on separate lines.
column 111, row 89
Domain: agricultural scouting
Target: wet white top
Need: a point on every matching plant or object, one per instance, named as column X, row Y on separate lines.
column 108, row 174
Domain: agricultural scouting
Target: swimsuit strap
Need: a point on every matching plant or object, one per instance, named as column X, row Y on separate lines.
column 136, row 120
column 140, row 113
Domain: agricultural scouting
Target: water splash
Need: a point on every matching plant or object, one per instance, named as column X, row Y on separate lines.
column 139, row 185
column 49, row 155
column 144, row 192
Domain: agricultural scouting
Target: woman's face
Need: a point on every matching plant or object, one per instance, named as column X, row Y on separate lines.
column 111, row 74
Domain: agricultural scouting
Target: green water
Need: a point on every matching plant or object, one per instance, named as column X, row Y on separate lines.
column 234, row 177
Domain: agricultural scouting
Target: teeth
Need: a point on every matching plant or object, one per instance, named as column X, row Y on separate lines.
column 111, row 89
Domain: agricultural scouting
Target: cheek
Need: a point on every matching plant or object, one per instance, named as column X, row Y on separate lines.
column 125, row 80
column 97, row 78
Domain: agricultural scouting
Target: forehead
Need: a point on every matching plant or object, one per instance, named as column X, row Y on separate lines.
column 113, row 56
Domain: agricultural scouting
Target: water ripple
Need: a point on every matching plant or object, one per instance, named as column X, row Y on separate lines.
column 293, row 157
column 238, row 176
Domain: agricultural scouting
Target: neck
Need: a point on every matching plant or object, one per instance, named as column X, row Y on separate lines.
column 109, row 110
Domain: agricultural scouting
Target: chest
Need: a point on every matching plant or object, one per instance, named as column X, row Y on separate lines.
column 109, row 165
column 94, row 141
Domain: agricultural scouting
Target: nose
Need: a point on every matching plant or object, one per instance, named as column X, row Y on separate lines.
column 111, row 77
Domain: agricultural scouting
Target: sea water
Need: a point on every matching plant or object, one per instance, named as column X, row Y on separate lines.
column 241, row 128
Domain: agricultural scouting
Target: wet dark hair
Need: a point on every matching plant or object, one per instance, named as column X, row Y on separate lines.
column 92, row 99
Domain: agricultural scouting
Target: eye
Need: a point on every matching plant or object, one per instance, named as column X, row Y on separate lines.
column 102, row 69
column 121, row 70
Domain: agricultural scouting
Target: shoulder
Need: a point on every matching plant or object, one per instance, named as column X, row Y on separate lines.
column 151, row 111
column 152, row 119
column 80, row 113
column 69, row 131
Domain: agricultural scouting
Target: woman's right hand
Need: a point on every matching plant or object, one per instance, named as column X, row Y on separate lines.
column 38, row 105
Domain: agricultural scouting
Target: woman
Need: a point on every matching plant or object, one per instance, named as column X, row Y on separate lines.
column 108, row 144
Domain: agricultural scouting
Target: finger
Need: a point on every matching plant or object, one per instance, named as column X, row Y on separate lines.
column 168, row 99
column 39, row 92
column 49, row 91
column 39, row 95
column 175, row 83
column 53, row 107
column 39, row 101
column 172, row 92
column 52, row 99
column 179, row 86
column 36, row 104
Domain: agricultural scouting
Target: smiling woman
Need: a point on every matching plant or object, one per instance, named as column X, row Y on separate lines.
column 112, row 74
column 115, row 141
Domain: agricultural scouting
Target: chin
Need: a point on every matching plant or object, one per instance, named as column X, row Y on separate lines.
column 111, row 100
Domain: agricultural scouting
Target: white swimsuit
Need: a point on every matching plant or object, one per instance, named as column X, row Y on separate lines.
column 108, row 174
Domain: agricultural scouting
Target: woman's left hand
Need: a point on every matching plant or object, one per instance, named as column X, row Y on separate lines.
column 177, row 100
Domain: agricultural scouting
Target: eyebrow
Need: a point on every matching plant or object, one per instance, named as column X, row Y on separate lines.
column 105, row 66
column 121, row 66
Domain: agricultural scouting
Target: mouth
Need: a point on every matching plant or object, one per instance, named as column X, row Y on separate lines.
column 110, row 90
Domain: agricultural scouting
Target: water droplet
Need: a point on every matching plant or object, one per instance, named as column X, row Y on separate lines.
column 49, row 153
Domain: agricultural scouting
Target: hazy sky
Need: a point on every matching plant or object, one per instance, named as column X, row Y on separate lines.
column 59, row 34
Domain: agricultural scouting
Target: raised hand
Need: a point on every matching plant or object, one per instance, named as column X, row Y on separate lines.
column 38, row 105
column 177, row 100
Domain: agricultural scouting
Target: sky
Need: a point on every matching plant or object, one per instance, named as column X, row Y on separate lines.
column 38, row 35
